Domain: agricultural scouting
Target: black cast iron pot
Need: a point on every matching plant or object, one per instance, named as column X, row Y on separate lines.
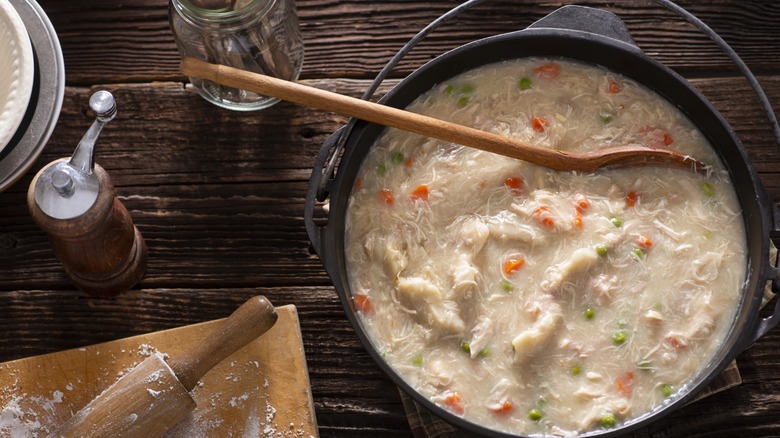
column 591, row 36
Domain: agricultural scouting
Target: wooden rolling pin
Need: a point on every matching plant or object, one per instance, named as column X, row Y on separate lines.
column 154, row 396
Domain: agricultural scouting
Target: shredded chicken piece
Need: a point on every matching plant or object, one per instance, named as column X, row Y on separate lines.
column 506, row 226
column 532, row 340
column 432, row 310
column 653, row 316
column 580, row 260
column 471, row 237
column 464, row 279
column 481, row 334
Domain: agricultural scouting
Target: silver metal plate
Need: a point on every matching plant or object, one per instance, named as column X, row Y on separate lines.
column 46, row 101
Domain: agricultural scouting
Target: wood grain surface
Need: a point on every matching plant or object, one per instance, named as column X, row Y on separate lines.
column 219, row 195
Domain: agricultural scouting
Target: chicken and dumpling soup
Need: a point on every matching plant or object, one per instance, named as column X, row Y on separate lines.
column 539, row 302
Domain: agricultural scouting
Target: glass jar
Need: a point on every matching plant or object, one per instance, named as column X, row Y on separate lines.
column 262, row 36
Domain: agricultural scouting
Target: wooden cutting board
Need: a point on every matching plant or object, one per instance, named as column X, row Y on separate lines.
column 260, row 391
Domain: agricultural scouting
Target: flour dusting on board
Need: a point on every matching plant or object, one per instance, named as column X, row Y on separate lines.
column 25, row 416
column 259, row 392
column 243, row 398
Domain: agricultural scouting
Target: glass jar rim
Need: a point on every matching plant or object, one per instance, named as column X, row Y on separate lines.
column 259, row 7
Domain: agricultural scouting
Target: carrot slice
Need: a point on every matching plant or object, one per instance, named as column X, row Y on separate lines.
column 540, row 124
column 631, row 199
column 358, row 185
column 674, row 341
column 614, row 87
column 512, row 264
column 455, row 403
column 364, row 304
column 386, row 195
column 502, row 407
column 421, row 193
column 576, row 220
column 514, row 184
column 656, row 137
column 549, row 71
column 625, row 383
column 644, row 242
column 581, row 202
column 544, row 216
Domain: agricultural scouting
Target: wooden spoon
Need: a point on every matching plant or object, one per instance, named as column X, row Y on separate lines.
column 621, row 156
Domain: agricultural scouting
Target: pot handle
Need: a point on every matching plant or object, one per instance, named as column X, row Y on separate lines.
column 773, row 276
column 771, row 321
column 587, row 19
column 319, row 184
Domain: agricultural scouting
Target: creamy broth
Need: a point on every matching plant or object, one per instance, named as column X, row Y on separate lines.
column 539, row 302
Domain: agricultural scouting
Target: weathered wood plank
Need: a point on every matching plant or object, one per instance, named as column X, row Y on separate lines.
column 107, row 42
column 234, row 214
column 342, row 396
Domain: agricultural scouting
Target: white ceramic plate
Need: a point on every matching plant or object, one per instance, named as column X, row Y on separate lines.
column 16, row 71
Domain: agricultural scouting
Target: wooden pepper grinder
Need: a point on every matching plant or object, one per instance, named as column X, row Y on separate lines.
column 74, row 202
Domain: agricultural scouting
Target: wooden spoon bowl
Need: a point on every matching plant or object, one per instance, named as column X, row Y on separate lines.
column 621, row 156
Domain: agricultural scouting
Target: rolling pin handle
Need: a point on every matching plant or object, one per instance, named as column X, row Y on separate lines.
column 255, row 317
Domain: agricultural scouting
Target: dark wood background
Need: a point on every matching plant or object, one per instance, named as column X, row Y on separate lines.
column 219, row 195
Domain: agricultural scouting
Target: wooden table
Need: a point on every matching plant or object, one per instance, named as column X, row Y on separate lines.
column 218, row 195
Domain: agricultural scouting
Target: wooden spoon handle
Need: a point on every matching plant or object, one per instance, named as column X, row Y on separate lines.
column 249, row 321
column 376, row 113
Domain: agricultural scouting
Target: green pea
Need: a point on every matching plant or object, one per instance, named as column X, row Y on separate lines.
column 708, row 190
column 465, row 346
column 608, row 420
column 398, row 158
column 463, row 101
column 467, row 89
column 619, row 337
column 417, row 361
column 485, row 352
column 606, row 119
column 575, row 370
column 667, row 390
column 526, row 84
column 601, row 250
column 590, row 312
column 507, row 286
column 449, row 90
column 535, row 414
column 617, row 222
column 381, row 169
column 639, row 253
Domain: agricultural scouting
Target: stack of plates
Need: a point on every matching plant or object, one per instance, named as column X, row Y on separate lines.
column 32, row 85
column 16, row 71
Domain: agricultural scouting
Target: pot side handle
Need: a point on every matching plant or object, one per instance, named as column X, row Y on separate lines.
column 771, row 321
column 318, row 190
column 586, row 19
column 773, row 274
